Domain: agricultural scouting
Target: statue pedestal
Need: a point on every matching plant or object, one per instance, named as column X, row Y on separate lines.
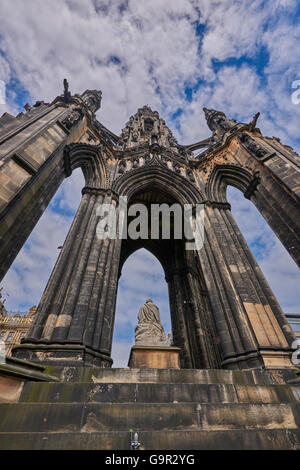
column 154, row 357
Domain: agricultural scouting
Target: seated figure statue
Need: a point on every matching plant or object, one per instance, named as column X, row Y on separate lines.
column 149, row 330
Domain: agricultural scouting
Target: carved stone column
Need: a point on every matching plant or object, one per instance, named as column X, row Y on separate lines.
column 252, row 329
column 179, row 308
column 192, row 324
column 75, row 316
column 205, row 333
column 277, row 196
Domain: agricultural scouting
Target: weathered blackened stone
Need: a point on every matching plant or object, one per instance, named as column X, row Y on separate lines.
column 155, row 440
column 170, row 409
column 223, row 312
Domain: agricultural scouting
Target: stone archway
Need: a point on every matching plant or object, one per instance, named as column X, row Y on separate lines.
column 192, row 323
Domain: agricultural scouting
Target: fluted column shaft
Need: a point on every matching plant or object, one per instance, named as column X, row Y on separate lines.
column 245, row 311
column 179, row 312
column 77, row 307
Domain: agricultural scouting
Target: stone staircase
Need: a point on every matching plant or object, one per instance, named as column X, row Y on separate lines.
column 94, row 408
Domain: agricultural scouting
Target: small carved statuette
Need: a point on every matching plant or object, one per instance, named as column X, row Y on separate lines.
column 135, row 163
column 67, row 94
column 72, row 118
column 27, row 107
column 122, row 167
column 176, row 167
column 172, row 141
column 253, row 146
column 38, row 103
column 190, row 176
column 164, row 161
column 125, row 135
column 147, row 159
column 148, row 124
column 134, row 136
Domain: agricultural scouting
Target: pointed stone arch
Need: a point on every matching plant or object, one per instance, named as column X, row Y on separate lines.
column 189, row 304
column 271, row 199
column 89, row 158
column 234, row 175
column 182, row 190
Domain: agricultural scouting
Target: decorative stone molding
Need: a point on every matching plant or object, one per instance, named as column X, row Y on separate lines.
column 72, row 118
column 230, row 174
column 255, row 148
column 155, row 159
column 90, row 159
column 186, row 191
column 147, row 127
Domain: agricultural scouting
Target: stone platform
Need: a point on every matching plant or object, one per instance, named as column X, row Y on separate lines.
column 178, row 409
column 154, row 357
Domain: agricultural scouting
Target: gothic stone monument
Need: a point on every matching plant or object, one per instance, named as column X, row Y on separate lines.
column 223, row 312
column 236, row 387
column 151, row 348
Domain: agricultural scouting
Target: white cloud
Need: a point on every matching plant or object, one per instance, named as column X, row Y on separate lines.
column 154, row 44
column 146, row 52
column 228, row 35
column 236, row 90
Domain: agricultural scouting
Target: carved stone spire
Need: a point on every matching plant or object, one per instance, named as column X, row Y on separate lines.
column 147, row 127
column 92, row 99
column 217, row 121
column 67, row 94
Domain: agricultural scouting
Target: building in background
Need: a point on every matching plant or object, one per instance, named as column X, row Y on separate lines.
column 14, row 326
column 294, row 321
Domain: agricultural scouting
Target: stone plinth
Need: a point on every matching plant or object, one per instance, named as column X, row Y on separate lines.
column 154, row 357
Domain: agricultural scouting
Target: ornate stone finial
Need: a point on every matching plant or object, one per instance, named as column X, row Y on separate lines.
column 67, row 94
column 252, row 124
column 147, row 128
column 3, row 311
column 92, row 99
column 149, row 330
column 27, row 107
column 217, row 121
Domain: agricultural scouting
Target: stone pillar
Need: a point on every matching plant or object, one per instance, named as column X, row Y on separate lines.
column 205, row 333
column 179, row 310
column 32, row 162
column 251, row 326
column 277, row 195
column 280, row 208
column 75, row 316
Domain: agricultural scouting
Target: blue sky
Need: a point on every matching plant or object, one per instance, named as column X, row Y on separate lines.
column 176, row 56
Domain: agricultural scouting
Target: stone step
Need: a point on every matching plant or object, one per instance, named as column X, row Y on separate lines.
column 201, row 376
column 266, row 439
column 96, row 417
column 83, row 392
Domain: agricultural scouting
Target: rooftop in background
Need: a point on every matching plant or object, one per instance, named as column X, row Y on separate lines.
column 14, row 326
column 294, row 321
